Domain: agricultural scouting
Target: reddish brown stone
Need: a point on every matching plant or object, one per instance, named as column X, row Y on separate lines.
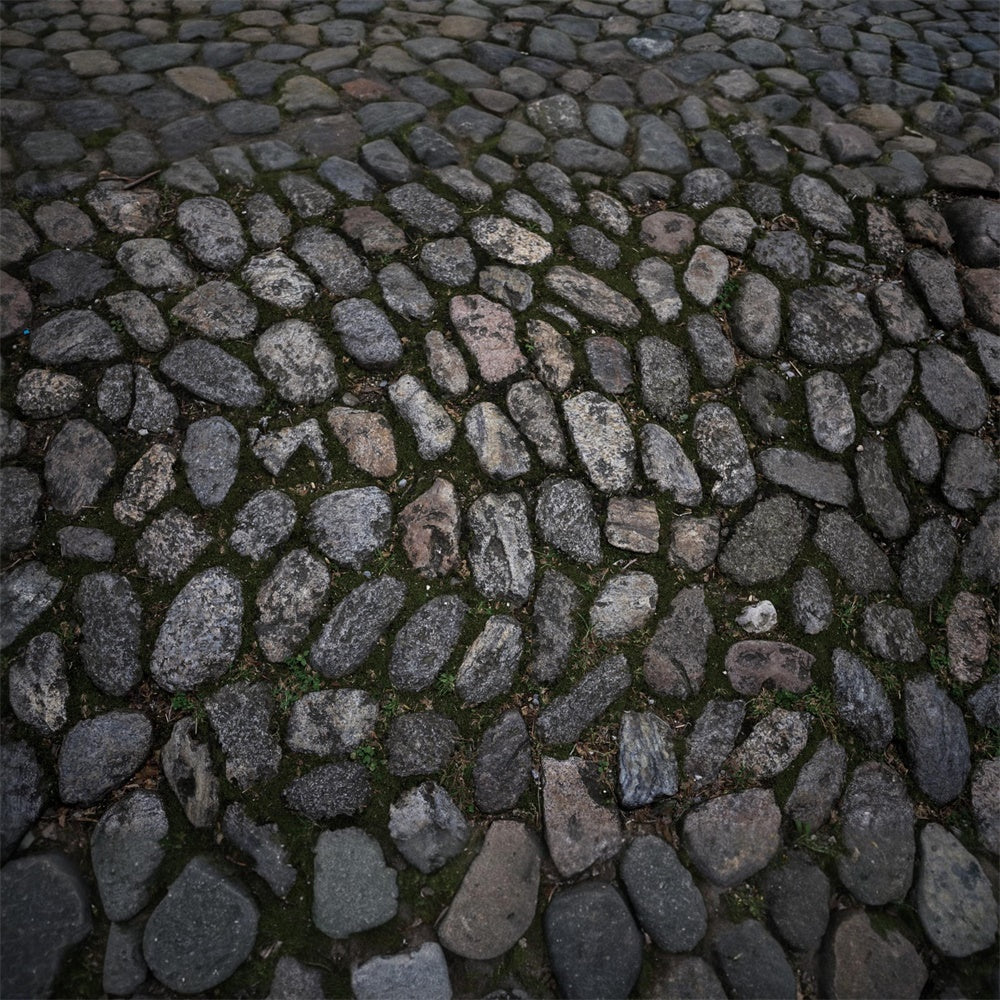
column 981, row 286
column 373, row 230
column 15, row 306
column 487, row 330
column 752, row 663
column 968, row 630
column 430, row 530
column 922, row 224
column 365, row 89
column 368, row 439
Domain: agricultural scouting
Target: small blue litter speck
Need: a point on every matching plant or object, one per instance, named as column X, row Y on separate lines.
column 27, row 332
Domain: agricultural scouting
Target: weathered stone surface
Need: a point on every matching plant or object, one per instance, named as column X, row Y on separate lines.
column 765, row 543
column 500, row 550
column 111, row 632
column 773, row 744
column 329, row 791
column 798, row 902
column 861, row 700
column 263, row 522
column 21, row 794
column 592, row 297
column 351, row 526
column 356, row 625
column 263, row 843
column 200, row 635
column 288, row 601
column 45, row 908
column 564, row 719
column 202, row 930
column 818, row 786
column 210, row 455
column 78, row 464
column 240, row 715
column 664, row 377
column 212, row 232
column 368, row 439
column 952, row 389
column 647, row 764
column 26, row 591
column 210, row 373
column 331, row 722
column 423, row 973
column 293, row 356
column 487, row 329
column 496, row 901
column 863, row 565
column 427, row 827
column 187, row 766
column 566, row 519
column 430, row 526
column 603, row 440
column 624, row 604
column 99, row 754
column 967, row 629
column 734, row 836
column 829, row 327
column 37, row 684
column 712, row 739
column 487, row 670
column 673, row 663
column 936, row 739
column 433, row 427
column 890, row 633
column 751, row 962
column 754, row 662
column 580, row 830
column 860, row 961
column 722, row 450
column 500, row 450
column 877, row 835
column 593, row 942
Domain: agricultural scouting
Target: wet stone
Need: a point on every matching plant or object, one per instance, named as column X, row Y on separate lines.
column 46, row 912
column 38, row 687
column 861, row 700
column 877, row 834
column 111, row 632
column 818, row 785
column 936, row 740
column 579, row 830
column 498, row 447
column 647, row 763
column 351, row 526
column 218, row 310
column 565, row 718
column 329, row 791
column 100, row 754
column 859, row 561
column 734, row 836
column 187, row 766
column 674, row 662
column 356, row 625
column 420, row 743
column 192, row 955
column 722, row 450
column 211, row 457
column 890, row 633
column 432, row 426
column 952, row 389
column 126, row 850
column 668, row 467
column 623, row 605
column 566, row 519
column 210, row 373
column 751, row 962
column 765, row 543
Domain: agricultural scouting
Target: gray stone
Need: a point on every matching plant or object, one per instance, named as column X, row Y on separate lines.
column 764, row 395
column 668, row 467
column 78, row 464
column 212, row 374
column 446, row 364
column 861, row 701
column 146, row 484
column 240, row 716
column 125, row 969
column 818, row 786
column 981, row 555
column 22, row 492
column 877, row 836
column 952, row 389
column 430, row 526
column 812, row 602
column 200, row 635
column 984, row 788
column 487, row 670
column 798, row 903
column 154, row 263
column 934, row 275
column 425, row 643
column 26, row 591
column 928, row 560
column 882, row 498
column 111, row 633
column 277, row 279
column 820, row 205
column 45, row 910
column 420, row 743
column 610, row 364
column 967, row 630
column 496, row 902
column 86, row 543
column 427, row 827
column 664, row 377
column 41, row 394
column 187, row 766
column 565, row 718
column 37, row 684
column 356, row 625
column 431, row 424
column 366, row 334
column 212, row 232
column 902, row 317
column 211, row 459
column 405, row 293
column 784, row 253
column 500, row 549
column 100, row 754
column 936, row 740
column 288, row 601
column 673, row 664
column 331, row 722
column 329, row 791
column 340, row 270
column 734, row 836
column 890, row 633
column 556, row 603
column 262, row 841
column 126, row 850
column 593, row 942
column 293, row 356
column 656, row 285
column 751, row 963
column 566, row 519
column 884, row 387
column 829, row 326
column 498, row 447
column 423, row 973
column 831, row 417
column 21, row 794
column 592, row 297
column 712, row 349
column 765, row 543
column 712, row 739
column 534, row 411
column 351, row 526
column 975, row 224
column 502, row 770
column 647, row 764
column 428, row 212
column 863, row 566
column 954, row 897
column 295, row 981
column 263, row 522
column 722, row 450
column 202, row 930
column 773, row 744
column 624, row 604
column 603, row 439
column 971, row 472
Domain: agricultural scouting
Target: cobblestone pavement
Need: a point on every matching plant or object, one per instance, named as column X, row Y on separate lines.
column 500, row 499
